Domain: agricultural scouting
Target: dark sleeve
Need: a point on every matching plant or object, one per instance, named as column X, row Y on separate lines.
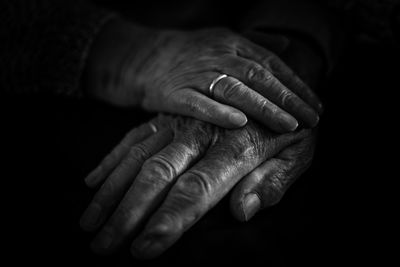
column 372, row 19
column 304, row 19
column 44, row 44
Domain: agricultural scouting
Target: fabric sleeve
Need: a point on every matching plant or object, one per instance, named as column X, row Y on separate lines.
column 45, row 44
column 303, row 18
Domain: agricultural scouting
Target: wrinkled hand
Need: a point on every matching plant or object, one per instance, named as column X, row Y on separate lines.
column 266, row 185
column 156, row 185
column 172, row 71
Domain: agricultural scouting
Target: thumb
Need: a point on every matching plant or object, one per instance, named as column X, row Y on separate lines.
column 266, row 185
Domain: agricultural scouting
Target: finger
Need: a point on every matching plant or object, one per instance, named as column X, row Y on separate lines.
column 266, row 185
column 147, row 191
column 291, row 80
column 233, row 92
column 281, row 71
column 263, row 81
column 119, row 180
column 198, row 190
column 258, row 189
column 191, row 103
column 118, row 153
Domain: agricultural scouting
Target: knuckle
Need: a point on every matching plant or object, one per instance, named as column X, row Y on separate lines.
column 167, row 222
column 267, row 108
column 251, row 145
column 190, row 103
column 161, row 168
column 286, row 97
column 232, row 90
column 257, row 73
column 278, row 66
column 196, row 185
column 138, row 153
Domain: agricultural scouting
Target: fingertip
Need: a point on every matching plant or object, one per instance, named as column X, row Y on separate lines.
column 320, row 108
column 93, row 177
column 287, row 122
column 314, row 121
column 238, row 119
column 146, row 247
column 244, row 208
column 250, row 205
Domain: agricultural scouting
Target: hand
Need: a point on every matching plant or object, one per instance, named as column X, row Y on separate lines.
column 171, row 71
column 265, row 186
column 298, row 53
column 157, row 185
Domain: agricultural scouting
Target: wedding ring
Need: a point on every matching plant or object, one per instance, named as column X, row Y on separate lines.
column 214, row 82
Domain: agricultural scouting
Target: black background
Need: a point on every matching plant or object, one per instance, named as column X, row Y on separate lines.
column 334, row 214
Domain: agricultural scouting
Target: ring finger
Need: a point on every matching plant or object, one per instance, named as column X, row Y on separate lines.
column 231, row 91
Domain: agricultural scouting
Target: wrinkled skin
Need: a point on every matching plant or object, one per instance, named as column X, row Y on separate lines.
column 171, row 71
column 156, row 185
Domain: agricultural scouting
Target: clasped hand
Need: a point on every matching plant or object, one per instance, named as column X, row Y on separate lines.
column 157, row 184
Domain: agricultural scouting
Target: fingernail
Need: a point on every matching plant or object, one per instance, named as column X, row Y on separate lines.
column 251, row 205
column 238, row 119
column 103, row 241
column 93, row 176
column 91, row 216
column 320, row 108
column 312, row 118
column 288, row 122
column 316, row 121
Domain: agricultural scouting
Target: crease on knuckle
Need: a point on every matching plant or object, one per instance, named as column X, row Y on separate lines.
column 242, row 146
column 257, row 74
column 233, row 90
column 254, row 143
column 138, row 153
column 285, row 97
column 194, row 135
column 195, row 185
column 167, row 222
column 161, row 168
column 191, row 104
column 267, row 108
